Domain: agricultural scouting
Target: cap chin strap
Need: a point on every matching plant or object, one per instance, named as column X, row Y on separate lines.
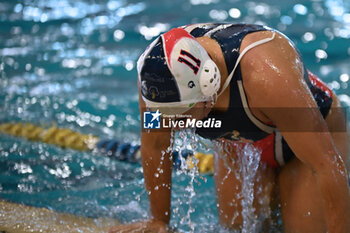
column 246, row 49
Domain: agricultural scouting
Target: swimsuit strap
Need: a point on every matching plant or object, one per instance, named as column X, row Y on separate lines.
column 261, row 125
column 246, row 49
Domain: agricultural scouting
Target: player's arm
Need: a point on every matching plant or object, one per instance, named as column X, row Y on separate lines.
column 273, row 83
column 157, row 169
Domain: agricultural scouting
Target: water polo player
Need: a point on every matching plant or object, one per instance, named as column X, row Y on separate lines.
column 251, row 78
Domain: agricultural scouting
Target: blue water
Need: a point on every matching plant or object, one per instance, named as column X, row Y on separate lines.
column 72, row 63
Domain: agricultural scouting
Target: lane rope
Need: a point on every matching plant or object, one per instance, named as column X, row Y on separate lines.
column 123, row 151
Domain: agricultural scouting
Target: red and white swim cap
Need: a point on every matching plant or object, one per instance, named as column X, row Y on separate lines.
column 175, row 72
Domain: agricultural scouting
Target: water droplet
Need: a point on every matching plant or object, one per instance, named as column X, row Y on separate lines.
column 308, row 36
column 118, row 35
column 321, row 54
column 300, row 9
column 344, row 78
column 234, row 13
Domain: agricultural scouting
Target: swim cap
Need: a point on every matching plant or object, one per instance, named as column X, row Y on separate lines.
column 175, row 72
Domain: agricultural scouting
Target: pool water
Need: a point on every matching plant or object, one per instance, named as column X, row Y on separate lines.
column 73, row 64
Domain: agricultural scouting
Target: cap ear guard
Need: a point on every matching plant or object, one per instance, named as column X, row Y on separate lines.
column 197, row 75
column 210, row 78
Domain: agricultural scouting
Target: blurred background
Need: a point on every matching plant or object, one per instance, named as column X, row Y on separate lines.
column 73, row 64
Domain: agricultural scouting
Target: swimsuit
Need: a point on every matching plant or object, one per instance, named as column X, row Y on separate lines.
column 238, row 123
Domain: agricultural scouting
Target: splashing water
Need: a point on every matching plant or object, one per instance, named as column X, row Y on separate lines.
column 249, row 159
column 188, row 140
column 245, row 168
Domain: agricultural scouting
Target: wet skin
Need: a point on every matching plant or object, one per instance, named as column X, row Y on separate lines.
column 312, row 189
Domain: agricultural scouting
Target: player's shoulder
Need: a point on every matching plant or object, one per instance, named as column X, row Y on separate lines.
column 275, row 67
column 279, row 51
